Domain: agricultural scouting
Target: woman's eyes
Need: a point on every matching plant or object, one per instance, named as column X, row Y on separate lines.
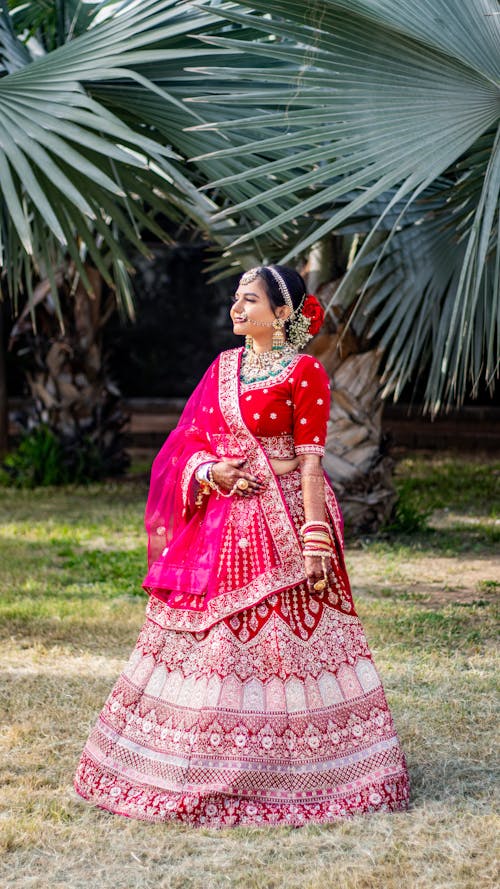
column 247, row 298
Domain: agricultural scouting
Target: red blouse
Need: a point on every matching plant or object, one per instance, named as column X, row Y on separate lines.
column 289, row 415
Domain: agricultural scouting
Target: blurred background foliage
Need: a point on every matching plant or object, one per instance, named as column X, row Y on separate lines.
column 356, row 140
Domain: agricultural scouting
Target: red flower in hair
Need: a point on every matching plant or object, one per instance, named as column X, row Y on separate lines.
column 313, row 310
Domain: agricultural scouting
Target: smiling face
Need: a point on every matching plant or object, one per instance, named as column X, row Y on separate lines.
column 251, row 303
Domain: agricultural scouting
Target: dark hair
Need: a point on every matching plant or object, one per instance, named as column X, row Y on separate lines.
column 294, row 282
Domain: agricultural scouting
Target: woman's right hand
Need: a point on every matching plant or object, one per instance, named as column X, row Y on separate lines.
column 226, row 473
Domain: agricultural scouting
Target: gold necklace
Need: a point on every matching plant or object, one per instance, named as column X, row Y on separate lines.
column 257, row 366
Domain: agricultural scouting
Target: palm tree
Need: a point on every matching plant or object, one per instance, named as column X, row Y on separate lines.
column 385, row 116
column 381, row 127
column 93, row 144
column 91, row 140
column 367, row 119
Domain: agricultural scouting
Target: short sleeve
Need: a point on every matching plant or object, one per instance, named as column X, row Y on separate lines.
column 311, row 406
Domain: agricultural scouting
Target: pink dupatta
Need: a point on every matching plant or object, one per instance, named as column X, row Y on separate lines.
column 185, row 541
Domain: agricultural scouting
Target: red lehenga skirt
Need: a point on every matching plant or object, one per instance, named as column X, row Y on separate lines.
column 274, row 715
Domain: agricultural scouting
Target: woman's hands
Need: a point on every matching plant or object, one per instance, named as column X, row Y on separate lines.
column 227, row 472
column 314, row 571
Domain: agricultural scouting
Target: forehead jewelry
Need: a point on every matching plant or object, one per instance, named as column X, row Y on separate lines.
column 252, row 274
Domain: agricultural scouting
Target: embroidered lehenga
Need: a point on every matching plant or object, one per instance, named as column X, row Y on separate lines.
column 247, row 699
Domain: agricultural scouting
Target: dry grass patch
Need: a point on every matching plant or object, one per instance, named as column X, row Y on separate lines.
column 71, row 609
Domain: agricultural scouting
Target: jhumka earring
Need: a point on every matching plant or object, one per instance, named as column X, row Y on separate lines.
column 249, row 343
column 278, row 340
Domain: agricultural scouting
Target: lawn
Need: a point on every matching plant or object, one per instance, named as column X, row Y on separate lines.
column 71, row 608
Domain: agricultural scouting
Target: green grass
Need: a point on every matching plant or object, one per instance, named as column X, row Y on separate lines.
column 436, row 481
column 72, row 561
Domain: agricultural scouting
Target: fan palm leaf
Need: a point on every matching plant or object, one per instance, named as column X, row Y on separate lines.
column 92, row 140
column 376, row 99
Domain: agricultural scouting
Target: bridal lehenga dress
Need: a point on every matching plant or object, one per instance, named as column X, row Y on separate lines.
column 247, row 699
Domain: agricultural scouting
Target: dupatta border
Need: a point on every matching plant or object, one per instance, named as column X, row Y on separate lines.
column 273, row 503
column 275, row 508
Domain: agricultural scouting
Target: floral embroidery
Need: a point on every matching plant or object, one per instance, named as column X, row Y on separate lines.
column 310, row 449
column 290, row 732
column 279, row 446
column 268, row 709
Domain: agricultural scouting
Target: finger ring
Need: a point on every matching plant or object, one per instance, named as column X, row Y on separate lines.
column 242, row 484
column 320, row 585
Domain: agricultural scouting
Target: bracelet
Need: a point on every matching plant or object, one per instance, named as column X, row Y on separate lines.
column 215, row 487
column 312, row 552
column 318, row 549
column 316, row 525
column 213, row 484
column 317, row 537
column 201, row 474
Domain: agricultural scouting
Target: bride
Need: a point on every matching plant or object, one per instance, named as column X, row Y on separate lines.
column 251, row 696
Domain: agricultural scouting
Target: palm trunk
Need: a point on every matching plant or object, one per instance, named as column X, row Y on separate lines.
column 71, row 390
column 4, row 411
column 355, row 457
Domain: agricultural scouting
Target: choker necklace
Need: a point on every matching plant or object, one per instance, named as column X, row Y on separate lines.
column 257, row 366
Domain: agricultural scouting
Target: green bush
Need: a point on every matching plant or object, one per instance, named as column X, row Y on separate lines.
column 43, row 459
column 407, row 517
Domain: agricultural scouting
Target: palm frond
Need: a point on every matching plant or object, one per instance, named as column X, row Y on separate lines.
column 376, row 100
column 73, row 168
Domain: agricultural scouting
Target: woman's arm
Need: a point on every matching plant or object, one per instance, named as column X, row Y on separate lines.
column 313, row 493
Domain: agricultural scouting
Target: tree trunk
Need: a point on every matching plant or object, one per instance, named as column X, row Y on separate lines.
column 4, row 411
column 355, row 457
column 71, row 389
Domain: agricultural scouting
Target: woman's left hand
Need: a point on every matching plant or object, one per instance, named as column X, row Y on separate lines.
column 314, row 572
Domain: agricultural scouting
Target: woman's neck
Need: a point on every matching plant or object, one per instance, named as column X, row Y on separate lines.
column 262, row 346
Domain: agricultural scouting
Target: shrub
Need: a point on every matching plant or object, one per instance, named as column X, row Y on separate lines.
column 44, row 459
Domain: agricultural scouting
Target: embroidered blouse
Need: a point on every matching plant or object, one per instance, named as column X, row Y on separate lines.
column 289, row 414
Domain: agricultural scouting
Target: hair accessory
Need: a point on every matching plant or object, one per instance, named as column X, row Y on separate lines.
column 304, row 321
column 307, row 321
column 282, row 288
column 251, row 275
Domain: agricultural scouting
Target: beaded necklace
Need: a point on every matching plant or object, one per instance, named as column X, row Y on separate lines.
column 257, row 367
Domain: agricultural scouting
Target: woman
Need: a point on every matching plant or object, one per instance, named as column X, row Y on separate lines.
column 251, row 696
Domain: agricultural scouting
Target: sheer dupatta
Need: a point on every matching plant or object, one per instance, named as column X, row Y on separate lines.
column 184, row 541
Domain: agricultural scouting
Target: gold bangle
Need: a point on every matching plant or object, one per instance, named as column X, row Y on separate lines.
column 315, row 523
